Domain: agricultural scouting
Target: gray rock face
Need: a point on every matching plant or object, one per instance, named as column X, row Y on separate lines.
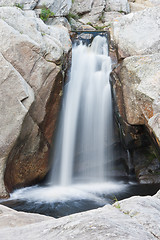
column 133, row 38
column 81, row 6
column 118, row 6
column 138, row 5
column 16, row 97
column 141, row 87
column 59, row 8
column 14, row 219
column 29, row 51
column 25, row 4
column 95, row 13
column 60, row 21
column 130, row 219
column 99, row 13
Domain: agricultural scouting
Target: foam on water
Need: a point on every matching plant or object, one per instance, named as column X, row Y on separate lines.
column 51, row 194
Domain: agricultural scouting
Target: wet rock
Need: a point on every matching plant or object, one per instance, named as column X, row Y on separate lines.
column 147, row 165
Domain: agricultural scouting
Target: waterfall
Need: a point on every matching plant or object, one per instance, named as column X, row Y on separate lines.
column 80, row 178
column 82, row 147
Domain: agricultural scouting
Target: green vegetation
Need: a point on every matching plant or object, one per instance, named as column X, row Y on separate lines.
column 116, row 203
column 121, row 11
column 72, row 1
column 46, row 13
column 71, row 15
column 89, row 23
column 99, row 28
column 18, row 5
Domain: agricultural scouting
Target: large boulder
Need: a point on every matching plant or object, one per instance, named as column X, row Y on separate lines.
column 141, row 86
column 137, row 33
column 33, row 51
column 133, row 218
column 137, row 96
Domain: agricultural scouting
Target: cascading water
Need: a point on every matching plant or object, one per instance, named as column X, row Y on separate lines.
column 85, row 130
column 80, row 178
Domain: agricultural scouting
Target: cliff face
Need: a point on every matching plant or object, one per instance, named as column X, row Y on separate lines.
column 31, row 84
column 137, row 39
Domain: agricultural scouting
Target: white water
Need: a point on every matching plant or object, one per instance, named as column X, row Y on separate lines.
column 53, row 194
column 85, row 129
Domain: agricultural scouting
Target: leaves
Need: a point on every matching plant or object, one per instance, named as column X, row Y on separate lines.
column 46, row 13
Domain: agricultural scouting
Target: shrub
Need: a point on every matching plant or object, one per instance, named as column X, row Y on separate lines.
column 46, row 13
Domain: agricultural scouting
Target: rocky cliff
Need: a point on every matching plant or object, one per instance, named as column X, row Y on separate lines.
column 32, row 54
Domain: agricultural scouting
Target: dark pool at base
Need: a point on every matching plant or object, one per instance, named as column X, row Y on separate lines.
column 60, row 209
